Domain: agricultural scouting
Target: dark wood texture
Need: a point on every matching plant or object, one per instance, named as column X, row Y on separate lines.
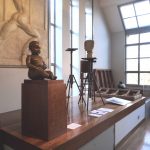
column 1, row 143
column 121, row 93
column 103, row 78
column 72, row 139
column 44, row 112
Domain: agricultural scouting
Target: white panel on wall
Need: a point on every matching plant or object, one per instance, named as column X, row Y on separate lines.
column 125, row 125
column 118, row 56
column 66, row 39
column 102, row 48
column 10, row 88
column 104, row 141
column 82, row 28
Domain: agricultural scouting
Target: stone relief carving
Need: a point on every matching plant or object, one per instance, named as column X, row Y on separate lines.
column 17, row 31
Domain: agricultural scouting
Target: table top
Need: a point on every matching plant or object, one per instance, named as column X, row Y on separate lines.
column 10, row 124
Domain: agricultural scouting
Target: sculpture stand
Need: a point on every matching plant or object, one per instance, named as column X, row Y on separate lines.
column 71, row 78
column 90, row 79
column 44, row 113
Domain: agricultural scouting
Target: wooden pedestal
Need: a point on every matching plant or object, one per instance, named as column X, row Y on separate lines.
column 44, row 113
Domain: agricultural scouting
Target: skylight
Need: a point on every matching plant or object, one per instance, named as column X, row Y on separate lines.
column 136, row 15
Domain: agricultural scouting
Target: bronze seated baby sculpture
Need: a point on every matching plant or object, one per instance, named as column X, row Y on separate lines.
column 37, row 67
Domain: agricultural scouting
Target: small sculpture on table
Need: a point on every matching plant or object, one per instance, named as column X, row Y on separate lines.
column 121, row 85
column 90, row 79
column 37, row 67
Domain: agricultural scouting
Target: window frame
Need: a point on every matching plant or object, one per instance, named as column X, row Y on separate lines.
column 138, row 58
column 139, row 30
column 52, row 64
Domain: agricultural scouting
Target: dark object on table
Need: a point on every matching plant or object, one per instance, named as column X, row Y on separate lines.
column 121, row 85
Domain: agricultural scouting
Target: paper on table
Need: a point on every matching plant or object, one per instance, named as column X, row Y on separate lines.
column 118, row 101
column 106, row 109
column 95, row 115
column 100, row 112
column 73, row 126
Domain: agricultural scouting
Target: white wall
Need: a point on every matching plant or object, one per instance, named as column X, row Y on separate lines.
column 10, row 88
column 118, row 56
column 102, row 48
column 11, row 78
column 66, row 40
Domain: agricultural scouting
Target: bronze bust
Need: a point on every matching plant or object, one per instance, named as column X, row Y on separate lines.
column 37, row 67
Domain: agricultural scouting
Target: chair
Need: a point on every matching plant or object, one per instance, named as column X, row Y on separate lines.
column 104, row 78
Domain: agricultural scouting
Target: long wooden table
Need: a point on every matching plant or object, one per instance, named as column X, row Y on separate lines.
column 10, row 127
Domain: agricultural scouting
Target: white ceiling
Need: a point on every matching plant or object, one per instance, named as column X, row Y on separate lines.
column 111, row 13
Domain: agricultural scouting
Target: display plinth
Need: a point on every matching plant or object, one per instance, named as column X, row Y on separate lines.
column 44, row 113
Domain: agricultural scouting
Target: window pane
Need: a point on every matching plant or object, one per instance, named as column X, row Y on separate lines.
column 127, row 11
column 58, row 12
column 132, row 52
column 145, row 64
column 132, row 64
column 75, row 3
column 130, row 23
column 145, row 50
column 132, row 78
column 52, row 68
column 75, row 16
column 52, row 10
column 143, row 20
column 52, row 44
column 142, row 7
column 58, row 46
column 88, row 26
column 144, row 78
column 131, row 39
column 145, row 37
column 88, row 18
column 75, row 41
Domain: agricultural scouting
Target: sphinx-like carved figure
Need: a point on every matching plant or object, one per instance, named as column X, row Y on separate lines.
column 18, row 19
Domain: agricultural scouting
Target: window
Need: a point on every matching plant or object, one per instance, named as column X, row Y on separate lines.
column 138, row 59
column 74, row 38
column 74, row 31
column 135, row 15
column 74, row 23
column 55, row 32
column 136, row 20
column 52, row 36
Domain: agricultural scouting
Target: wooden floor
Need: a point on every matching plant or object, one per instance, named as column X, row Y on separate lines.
column 139, row 140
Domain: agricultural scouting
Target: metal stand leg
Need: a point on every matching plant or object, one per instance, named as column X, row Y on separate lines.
column 71, row 76
column 98, row 90
column 91, row 79
column 81, row 99
column 70, row 85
